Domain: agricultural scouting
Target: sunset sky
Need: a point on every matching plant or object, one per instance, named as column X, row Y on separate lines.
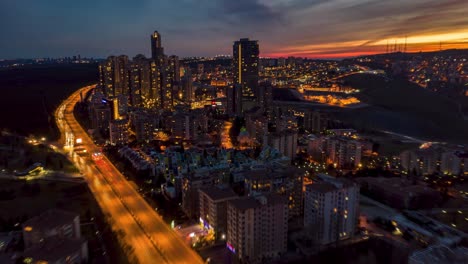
column 308, row 28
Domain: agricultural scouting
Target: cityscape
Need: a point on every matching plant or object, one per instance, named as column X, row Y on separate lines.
column 336, row 152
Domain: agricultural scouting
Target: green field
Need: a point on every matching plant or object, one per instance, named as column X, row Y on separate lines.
column 403, row 107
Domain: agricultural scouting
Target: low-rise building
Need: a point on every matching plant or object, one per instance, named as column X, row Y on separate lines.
column 51, row 223
column 55, row 250
column 54, row 237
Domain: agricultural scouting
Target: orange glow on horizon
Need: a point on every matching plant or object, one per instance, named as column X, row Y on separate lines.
column 417, row 43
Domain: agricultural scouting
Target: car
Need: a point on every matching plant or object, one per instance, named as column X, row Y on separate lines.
column 97, row 155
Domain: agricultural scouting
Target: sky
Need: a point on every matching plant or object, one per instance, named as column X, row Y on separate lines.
column 306, row 28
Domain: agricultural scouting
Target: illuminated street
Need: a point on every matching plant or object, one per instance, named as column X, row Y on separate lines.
column 145, row 231
column 225, row 137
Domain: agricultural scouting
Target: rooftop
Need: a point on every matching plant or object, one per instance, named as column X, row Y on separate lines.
column 322, row 187
column 215, row 193
column 255, row 201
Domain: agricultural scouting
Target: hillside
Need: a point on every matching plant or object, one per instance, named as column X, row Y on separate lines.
column 404, row 107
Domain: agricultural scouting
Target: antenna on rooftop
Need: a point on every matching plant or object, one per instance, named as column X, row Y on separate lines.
column 406, row 38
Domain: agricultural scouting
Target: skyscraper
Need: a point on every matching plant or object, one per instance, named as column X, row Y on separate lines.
column 114, row 75
column 157, row 51
column 187, row 86
column 265, row 96
column 140, row 81
column 157, row 85
column 234, row 100
column 245, row 58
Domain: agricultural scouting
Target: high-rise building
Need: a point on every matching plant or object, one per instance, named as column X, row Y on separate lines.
column 344, row 153
column 234, row 100
column 265, row 96
column 187, row 86
column 173, row 80
column 114, row 75
column 257, row 227
column 315, row 121
column 157, row 51
column 285, row 142
column 453, row 162
column 118, row 130
column 191, row 183
column 331, row 209
column 144, row 124
column 245, row 60
column 157, row 85
column 140, row 81
column 280, row 179
column 213, row 209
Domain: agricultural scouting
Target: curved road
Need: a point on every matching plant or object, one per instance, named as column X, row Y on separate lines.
column 152, row 240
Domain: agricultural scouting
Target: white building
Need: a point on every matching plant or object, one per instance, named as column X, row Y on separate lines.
column 257, row 227
column 331, row 209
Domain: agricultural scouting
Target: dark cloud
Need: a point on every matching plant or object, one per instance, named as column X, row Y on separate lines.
column 249, row 11
column 208, row 27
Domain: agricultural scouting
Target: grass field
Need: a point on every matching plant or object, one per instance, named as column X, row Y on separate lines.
column 30, row 95
column 403, row 107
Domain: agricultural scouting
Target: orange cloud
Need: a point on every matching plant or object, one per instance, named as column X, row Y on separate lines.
column 428, row 42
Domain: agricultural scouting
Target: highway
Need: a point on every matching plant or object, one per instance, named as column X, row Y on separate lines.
column 151, row 239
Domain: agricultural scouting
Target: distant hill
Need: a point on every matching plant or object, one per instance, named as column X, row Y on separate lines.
column 448, row 52
column 401, row 106
column 30, row 95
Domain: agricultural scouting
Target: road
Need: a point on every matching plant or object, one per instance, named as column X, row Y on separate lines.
column 151, row 239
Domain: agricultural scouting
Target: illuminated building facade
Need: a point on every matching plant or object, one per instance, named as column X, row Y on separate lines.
column 118, row 131
column 283, row 180
column 114, row 75
column 188, row 90
column 234, row 100
column 157, row 51
column 257, row 227
column 331, row 209
column 265, row 96
column 245, row 62
column 213, row 209
column 140, row 81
